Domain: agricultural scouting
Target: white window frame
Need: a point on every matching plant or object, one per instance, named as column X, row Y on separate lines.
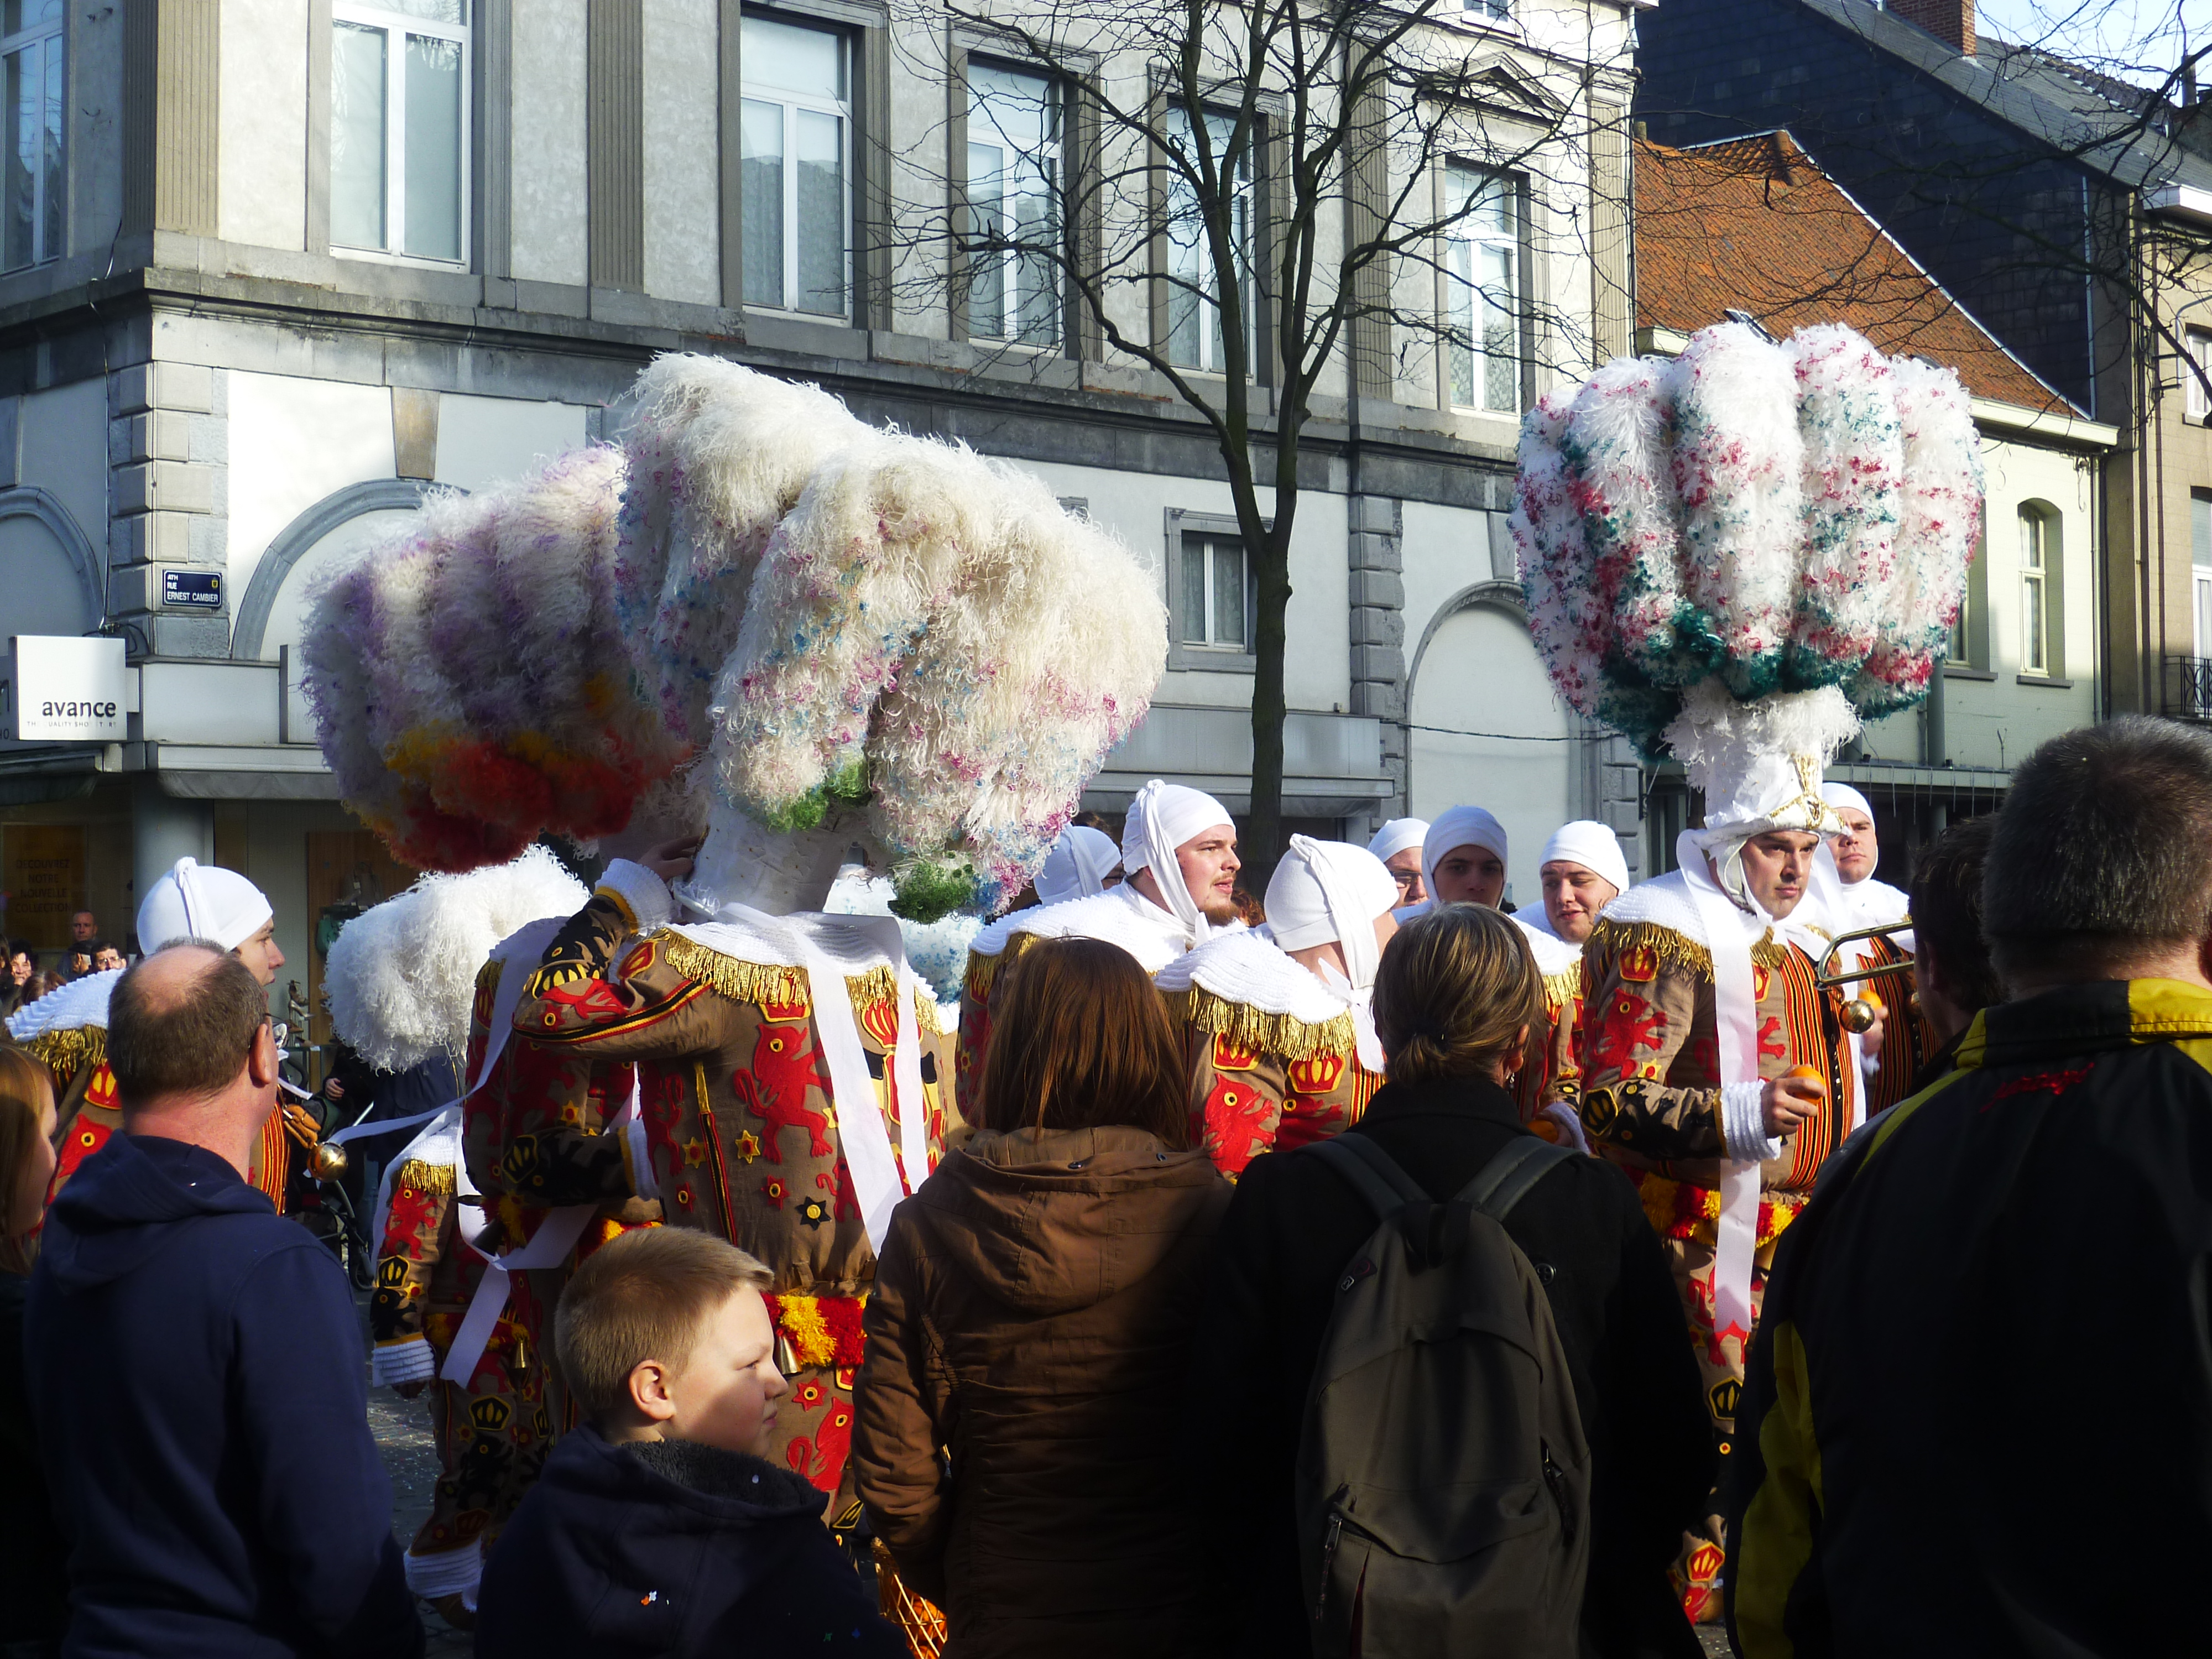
column 46, row 38
column 1051, row 161
column 1461, row 251
column 791, row 103
column 2035, row 593
column 1212, row 345
column 402, row 24
column 2199, row 344
column 2200, row 572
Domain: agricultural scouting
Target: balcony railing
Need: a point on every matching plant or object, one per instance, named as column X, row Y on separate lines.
column 2188, row 691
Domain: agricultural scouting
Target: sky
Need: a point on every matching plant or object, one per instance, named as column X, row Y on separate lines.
column 2138, row 40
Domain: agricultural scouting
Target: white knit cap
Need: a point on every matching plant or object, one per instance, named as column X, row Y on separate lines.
column 197, row 901
column 1078, row 865
column 1591, row 845
column 1396, row 836
column 1842, row 794
column 1162, row 818
column 1326, row 890
column 1461, row 826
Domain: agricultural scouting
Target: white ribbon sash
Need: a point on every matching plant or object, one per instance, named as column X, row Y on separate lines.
column 1735, row 1020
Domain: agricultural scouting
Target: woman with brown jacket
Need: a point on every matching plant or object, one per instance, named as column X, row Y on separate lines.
column 1027, row 1339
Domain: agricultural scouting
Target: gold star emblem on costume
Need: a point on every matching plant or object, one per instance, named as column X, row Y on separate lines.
column 748, row 1145
column 695, row 1152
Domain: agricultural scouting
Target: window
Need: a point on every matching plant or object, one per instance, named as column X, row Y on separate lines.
column 2200, row 558
column 1013, row 205
column 797, row 139
column 1497, row 11
column 2193, row 372
column 37, row 107
column 1482, row 265
column 1217, row 593
column 1194, row 336
column 399, row 126
column 2036, row 570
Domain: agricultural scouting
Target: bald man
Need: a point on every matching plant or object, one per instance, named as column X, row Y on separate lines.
column 194, row 1363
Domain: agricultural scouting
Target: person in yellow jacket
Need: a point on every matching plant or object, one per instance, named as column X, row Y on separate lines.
column 1973, row 1421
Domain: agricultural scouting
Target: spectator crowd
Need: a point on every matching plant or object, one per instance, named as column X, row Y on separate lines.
column 1181, row 1331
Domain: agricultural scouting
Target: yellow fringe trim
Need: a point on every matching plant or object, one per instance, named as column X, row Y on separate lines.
column 1560, row 990
column 423, row 1177
column 66, row 1053
column 761, row 983
column 1253, row 1028
column 1675, row 952
column 740, row 982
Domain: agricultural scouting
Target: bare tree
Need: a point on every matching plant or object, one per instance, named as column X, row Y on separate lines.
column 1248, row 200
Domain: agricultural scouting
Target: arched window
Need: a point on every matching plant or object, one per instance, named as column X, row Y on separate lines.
column 2042, row 633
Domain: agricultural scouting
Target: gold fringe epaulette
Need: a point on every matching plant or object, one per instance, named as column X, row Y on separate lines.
column 1256, row 1030
column 1674, row 951
column 983, row 971
column 761, row 983
column 755, row 983
column 1561, row 988
column 423, row 1177
column 66, row 1053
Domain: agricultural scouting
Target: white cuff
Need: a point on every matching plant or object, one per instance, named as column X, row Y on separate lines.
column 643, row 894
column 449, row 1572
column 391, row 1363
column 1743, row 1126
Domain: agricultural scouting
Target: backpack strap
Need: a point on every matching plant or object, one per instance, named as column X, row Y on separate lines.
column 1506, row 1180
column 1370, row 1172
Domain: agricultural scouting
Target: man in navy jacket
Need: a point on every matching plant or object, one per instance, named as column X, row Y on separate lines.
column 195, row 1363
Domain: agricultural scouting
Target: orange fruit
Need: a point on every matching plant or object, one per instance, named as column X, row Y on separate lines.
column 1873, row 999
column 1812, row 1074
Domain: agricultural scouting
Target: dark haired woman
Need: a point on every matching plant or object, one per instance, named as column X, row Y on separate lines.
column 1032, row 1315
column 1457, row 996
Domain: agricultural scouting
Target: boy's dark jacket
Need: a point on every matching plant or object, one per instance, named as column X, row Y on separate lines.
column 195, row 1369
column 669, row 1547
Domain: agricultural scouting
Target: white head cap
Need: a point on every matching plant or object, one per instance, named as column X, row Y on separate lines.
column 1461, row 826
column 1842, row 795
column 1324, row 891
column 1162, row 818
column 197, row 901
column 1078, row 865
column 1396, row 836
column 1592, row 845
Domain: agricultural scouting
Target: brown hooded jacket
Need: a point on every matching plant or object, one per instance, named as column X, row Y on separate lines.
column 1029, row 1332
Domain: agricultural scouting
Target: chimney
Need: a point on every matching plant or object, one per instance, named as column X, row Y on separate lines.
column 1951, row 21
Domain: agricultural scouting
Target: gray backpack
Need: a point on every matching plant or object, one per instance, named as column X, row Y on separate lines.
column 1443, row 1479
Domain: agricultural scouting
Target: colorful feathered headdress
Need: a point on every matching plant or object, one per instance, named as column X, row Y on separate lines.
column 831, row 615
column 1738, row 554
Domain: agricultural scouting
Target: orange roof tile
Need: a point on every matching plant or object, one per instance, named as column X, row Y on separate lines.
column 1755, row 225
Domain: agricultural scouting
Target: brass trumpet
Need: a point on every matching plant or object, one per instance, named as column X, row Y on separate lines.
column 1858, row 1014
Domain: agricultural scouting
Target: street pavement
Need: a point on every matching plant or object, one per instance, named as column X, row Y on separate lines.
column 402, row 1430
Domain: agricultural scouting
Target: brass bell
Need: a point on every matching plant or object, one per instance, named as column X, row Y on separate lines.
column 1858, row 1015
column 329, row 1161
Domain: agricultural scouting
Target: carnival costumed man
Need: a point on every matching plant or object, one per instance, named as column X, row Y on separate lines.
column 68, row 1028
column 1583, row 872
column 1464, row 860
column 401, row 984
column 865, row 639
column 1082, row 863
column 1731, row 558
column 1278, row 1019
column 1898, row 1044
column 1179, row 865
column 1398, row 844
